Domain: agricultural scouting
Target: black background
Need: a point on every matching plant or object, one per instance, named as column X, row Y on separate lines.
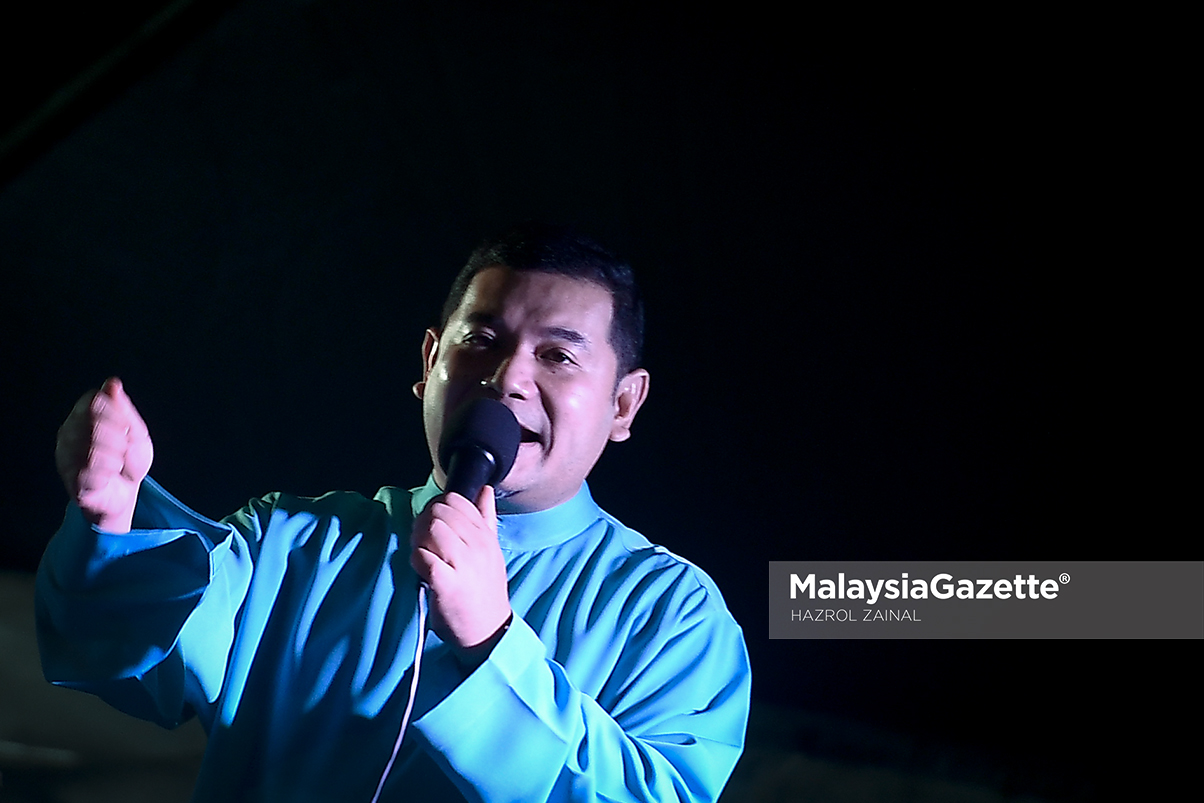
column 895, row 311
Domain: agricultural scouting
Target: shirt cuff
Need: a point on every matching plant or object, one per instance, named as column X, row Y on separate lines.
column 496, row 678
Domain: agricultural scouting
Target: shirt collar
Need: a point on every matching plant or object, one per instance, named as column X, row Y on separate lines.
column 525, row 532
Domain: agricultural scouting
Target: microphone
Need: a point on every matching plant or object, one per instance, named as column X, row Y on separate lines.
column 478, row 447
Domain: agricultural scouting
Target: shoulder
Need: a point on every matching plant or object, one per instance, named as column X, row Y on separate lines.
column 660, row 574
column 337, row 511
column 333, row 503
column 651, row 620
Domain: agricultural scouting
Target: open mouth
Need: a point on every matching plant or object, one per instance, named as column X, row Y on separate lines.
column 530, row 436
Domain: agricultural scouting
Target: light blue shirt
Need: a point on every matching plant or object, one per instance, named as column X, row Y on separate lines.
column 290, row 627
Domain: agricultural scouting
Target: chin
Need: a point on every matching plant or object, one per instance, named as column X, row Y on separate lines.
column 511, row 486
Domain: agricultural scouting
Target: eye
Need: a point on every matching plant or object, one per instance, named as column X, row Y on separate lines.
column 558, row 356
column 477, row 338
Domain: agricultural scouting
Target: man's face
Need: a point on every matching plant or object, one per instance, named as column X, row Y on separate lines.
column 539, row 342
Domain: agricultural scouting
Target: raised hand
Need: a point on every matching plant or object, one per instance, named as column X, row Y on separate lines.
column 103, row 452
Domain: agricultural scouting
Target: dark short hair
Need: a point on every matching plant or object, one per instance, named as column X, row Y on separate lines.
column 560, row 249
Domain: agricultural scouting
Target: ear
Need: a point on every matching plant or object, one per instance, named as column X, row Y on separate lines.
column 633, row 389
column 430, row 350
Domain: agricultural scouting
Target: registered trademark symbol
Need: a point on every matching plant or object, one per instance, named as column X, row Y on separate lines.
column 1063, row 578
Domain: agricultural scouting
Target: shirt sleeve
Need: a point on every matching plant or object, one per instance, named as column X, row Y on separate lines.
column 142, row 619
column 676, row 705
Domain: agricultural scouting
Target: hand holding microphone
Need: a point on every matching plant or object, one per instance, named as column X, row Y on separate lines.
column 454, row 541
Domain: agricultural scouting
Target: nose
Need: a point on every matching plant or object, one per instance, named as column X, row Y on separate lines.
column 513, row 377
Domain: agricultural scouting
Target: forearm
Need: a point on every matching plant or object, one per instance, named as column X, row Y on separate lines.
column 519, row 729
column 111, row 608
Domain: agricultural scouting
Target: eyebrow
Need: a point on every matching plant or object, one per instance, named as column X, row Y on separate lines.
column 555, row 332
column 566, row 334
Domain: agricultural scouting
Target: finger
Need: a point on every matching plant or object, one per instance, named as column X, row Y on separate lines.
column 88, row 439
column 108, row 435
column 71, row 442
column 457, row 513
column 421, row 560
column 74, row 437
column 430, row 568
column 458, row 509
column 111, row 387
column 81, row 437
column 441, row 540
column 111, row 404
column 100, row 469
column 104, row 412
column 477, row 527
column 125, row 406
column 78, row 424
column 83, row 406
column 487, row 505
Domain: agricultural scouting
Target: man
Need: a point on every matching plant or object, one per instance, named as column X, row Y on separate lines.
column 570, row 659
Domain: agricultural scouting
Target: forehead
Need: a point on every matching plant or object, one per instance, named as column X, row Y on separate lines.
column 529, row 298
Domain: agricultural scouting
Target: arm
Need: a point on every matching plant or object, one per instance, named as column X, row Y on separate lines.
column 114, row 610
column 640, row 694
column 114, row 603
column 657, row 713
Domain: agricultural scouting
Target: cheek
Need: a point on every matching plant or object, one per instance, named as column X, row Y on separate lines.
column 586, row 413
column 574, row 406
column 445, row 368
column 451, row 379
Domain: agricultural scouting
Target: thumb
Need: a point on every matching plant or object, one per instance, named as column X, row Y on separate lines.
column 488, row 506
column 112, row 388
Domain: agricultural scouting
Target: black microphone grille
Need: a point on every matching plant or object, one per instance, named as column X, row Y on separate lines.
column 485, row 424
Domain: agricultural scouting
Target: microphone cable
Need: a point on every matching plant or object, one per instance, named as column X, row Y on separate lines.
column 405, row 718
column 478, row 448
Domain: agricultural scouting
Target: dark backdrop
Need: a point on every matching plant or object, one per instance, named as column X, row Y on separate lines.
column 895, row 312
